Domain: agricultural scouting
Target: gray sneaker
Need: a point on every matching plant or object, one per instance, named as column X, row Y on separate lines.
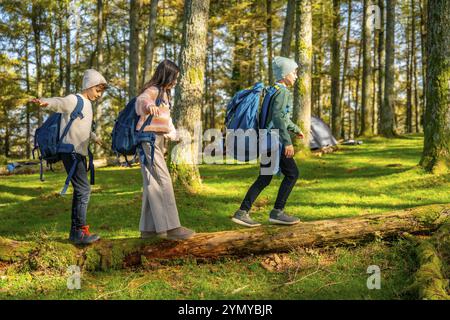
column 180, row 233
column 243, row 218
column 279, row 217
column 151, row 234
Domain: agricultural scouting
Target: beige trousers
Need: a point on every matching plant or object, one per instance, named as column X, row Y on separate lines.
column 159, row 210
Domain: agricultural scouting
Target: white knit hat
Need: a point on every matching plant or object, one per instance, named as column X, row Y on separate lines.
column 282, row 66
column 92, row 78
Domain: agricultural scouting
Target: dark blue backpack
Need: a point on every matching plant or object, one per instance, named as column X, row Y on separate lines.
column 50, row 146
column 249, row 109
column 126, row 140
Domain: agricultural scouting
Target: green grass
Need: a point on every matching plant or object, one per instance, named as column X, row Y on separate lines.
column 379, row 176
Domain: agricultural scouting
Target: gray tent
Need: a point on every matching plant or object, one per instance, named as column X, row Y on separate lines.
column 321, row 135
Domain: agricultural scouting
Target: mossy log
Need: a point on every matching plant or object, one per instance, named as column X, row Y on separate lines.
column 433, row 255
column 119, row 253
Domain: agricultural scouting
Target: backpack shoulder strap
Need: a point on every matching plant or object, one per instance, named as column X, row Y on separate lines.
column 77, row 112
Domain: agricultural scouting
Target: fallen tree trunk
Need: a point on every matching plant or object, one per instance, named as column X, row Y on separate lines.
column 120, row 253
column 433, row 256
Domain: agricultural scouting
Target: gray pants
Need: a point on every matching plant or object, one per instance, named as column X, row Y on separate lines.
column 159, row 209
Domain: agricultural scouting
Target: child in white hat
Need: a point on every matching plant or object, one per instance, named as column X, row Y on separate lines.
column 79, row 135
column 279, row 117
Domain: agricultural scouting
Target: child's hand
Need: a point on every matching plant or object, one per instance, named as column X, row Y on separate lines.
column 39, row 102
column 152, row 110
column 289, row 151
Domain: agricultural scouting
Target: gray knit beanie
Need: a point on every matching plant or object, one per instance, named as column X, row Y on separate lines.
column 283, row 66
column 92, row 78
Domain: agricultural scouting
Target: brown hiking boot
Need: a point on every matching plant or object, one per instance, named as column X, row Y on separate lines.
column 180, row 233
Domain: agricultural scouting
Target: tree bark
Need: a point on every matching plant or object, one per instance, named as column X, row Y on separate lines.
column 381, row 63
column 345, row 67
column 212, row 88
column 288, row 28
column 366, row 114
column 28, row 108
column 101, row 26
column 436, row 150
column 135, row 8
column 356, row 125
column 422, row 6
column 68, row 51
column 108, row 254
column 409, row 107
column 150, row 46
column 320, row 59
column 303, row 56
column 336, row 119
column 387, row 108
column 189, row 92
column 36, row 23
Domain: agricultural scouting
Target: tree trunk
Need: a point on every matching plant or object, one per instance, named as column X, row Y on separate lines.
column 28, row 108
column 303, row 57
column 366, row 114
column 408, row 123
column 7, row 135
column 344, row 72
column 436, row 150
column 414, row 66
column 189, row 92
column 387, row 108
column 422, row 6
column 269, row 40
column 356, row 125
column 381, row 71
column 212, row 88
column 68, row 52
column 320, row 58
column 120, row 253
column 36, row 23
column 150, row 46
column 52, row 67
column 61, row 57
column 288, row 28
column 334, row 70
column 101, row 26
column 135, row 8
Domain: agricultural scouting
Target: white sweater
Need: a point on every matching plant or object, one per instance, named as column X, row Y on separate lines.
column 80, row 131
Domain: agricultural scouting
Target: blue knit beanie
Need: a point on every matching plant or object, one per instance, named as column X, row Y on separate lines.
column 282, row 67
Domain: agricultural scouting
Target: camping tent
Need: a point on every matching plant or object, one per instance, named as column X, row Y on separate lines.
column 321, row 135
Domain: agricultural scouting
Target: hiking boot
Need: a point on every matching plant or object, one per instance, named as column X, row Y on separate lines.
column 278, row 216
column 243, row 218
column 151, row 234
column 180, row 233
column 83, row 236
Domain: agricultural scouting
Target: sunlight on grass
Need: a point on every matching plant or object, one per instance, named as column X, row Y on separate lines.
column 379, row 176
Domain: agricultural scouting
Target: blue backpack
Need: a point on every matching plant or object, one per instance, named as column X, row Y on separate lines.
column 249, row 109
column 49, row 143
column 126, row 140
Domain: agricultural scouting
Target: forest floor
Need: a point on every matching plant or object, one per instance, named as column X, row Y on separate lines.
column 378, row 176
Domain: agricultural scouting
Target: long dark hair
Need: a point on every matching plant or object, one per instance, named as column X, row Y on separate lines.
column 165, row 74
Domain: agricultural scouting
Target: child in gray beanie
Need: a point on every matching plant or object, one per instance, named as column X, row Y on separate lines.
column 79, row 135
column 279, row 117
